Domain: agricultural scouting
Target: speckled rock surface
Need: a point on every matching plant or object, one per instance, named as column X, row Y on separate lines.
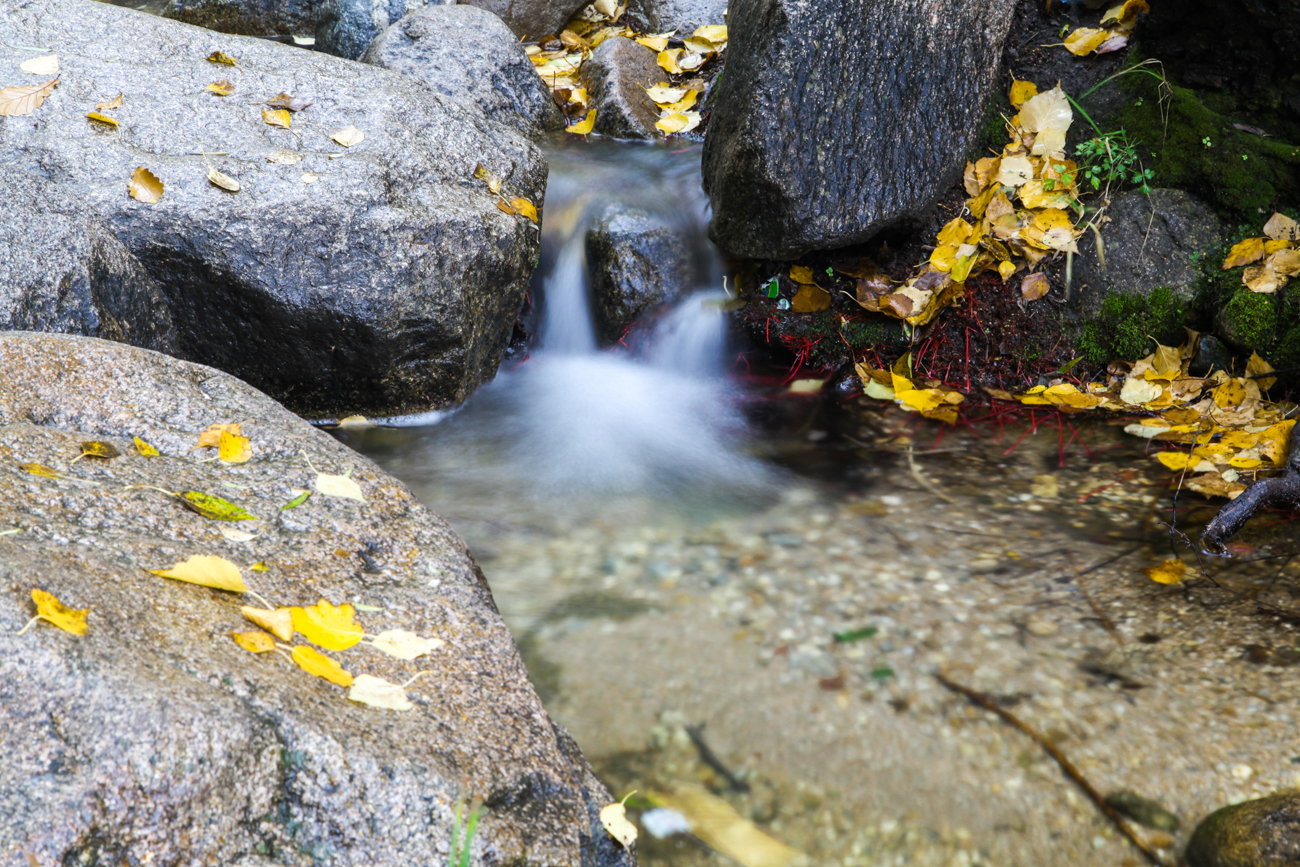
column 1264, row 832
column 661, row 16
column 390, row 283
column 616, row 76
column 637, row 261
column 466, row 53
column 247, row 17
column 1149, row 242
column 154, row 739
column 345, row 28
column 61, row 269
column 532, row 19
column 834, row 122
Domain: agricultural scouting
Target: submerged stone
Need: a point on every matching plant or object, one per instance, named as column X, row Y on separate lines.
column 1264, row 832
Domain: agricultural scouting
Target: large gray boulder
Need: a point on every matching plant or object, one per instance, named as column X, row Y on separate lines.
column 616, row 77
column 466, row 53
column 637, row 261
column 1148, row 242
column 61, row 269
column 389, row 283
column 247, row 17
column 154, row 739
column 683, row 16
column 832, row 122
column 532, row 20
column 345, row 28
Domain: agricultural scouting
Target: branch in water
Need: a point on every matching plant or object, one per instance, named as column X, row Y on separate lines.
column 1278, row 492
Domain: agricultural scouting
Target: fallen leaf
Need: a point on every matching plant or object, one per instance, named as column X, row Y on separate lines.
column 314, row 662
column 254, row 641
column 654, row 43
column 1282, row 228
column 1139, row 391
column 102, row 450
column 278, row 622
column 339, row 486
column 1258, row 370
column 614, row 818
column 715, row 33
column 226, row 182
column 1244, row 253
column 214, row 507
column 1021, row 91
column 664, row 94
column 583, row 127
column 144, row 448
column 221, row 88
column 1048, row 115
column 719, row 826
column 277, row 117
column 678, row 121
column 309, row 177
column 298, row 500
column 237, row 535
column 524, row 208
column 287, row 102
column 1168, row 572
column 206, row 570
column 284, row 158
column 1126, row 13
column 348, row 136
column 145, row 186
column 668, row 60
column 377, row 692
column 810, row 299
column 327, row 626
column 504, row 208
column 259, row 566
column 1034, row 286
column 115, row 102
column 1015, row 171
column 211, row 437
column 51, row 610
column 40, row 470
column 47, row 65
column 404, row 644
column 1083, row 41
column 24, row 99
column 233, row 448
column 221, row 57
column 101, row 118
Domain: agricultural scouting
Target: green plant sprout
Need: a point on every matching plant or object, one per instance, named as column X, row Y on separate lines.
column 1110, row 158
column 458, row 855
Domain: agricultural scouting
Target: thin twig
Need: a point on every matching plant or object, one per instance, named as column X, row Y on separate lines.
column 1092, row 603
column 923, row 481
column 1071, row 771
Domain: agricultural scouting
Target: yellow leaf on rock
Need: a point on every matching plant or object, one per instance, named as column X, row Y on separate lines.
column 614, row 818
column 145, row 186
column 524, row 208
column 278, row 622
column 206, row 570
column 24, row 99
column 221, row 57
column 668, row 60
column 339, row 486
column 222, row 180
column 678, row 121
column 233, row 448
column 1244, row 252
column 348, row 136
column 42, row 470
column 254, row 641
column 221, row 88
column 1168, row 572
column 211, row 437
column 504, row 208
column 47, row 65
column 277, row 117
column 377, row 692
column 810, row 299
column 284, row 158
column 664, row 94
column 404, row 644
column 654, row 43
column 1022, row 91
column 1083, row 41
column 51, row 610
column 327, row 626
column 214, row 507
column 101, row 118
column 584, row 126
column 715, row 33
column 145, row 449
column 102, row 450
column 314, row 662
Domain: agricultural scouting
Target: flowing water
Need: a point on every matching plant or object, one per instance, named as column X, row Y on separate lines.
column 690, row 557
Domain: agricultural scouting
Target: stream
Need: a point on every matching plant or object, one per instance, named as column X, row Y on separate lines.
column 689, row 552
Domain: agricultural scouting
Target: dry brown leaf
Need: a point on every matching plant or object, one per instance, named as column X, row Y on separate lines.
column 115, row 102
column 145, row 186
column 1034, row 286
column 226, row 182
column 24, row 99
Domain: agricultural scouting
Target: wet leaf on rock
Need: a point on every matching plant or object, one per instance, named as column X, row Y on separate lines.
column 206, row 570
column 101, row 118
column 144, row 448
column 47, row 65
column 377, row 692
column 222, row 57
column 221, row 88
column 314, row 662
column 328, row 626
column 145, row 186
column 278, row 622
column 254, row 641
column 524, row 208
column 214, row 507
column 24, row 99
column 1168, row 572
column 277, row 117
column 232, row 447
column 51, row 610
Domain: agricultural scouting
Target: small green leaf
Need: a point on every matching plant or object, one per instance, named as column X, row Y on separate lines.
column 773, row 288
column 856, row 635
column 296, row 501
column 214, row 507
column 882, row 673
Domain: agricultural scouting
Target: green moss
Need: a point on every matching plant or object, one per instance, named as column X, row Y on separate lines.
column 1128, row 322
column 1285, row 354
column 1249, row 320
column 1239, row 173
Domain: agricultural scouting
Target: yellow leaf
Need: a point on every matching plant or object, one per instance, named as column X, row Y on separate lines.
column 278, row 622
column 717, row 823
column 1271, row 247
column 1168, row 572
column 668, row 60
column 955, row 232
column 259, row 566
column 211, row 438
column 1257, row 368
column 614, row 818
column 41, row 470
column 802, row 274
column 24, row 99
column 584, row 126
column 1126, row 13
column 1048, row 115
column 115, row 102
column 221, row 57
column 233, row 448
column 214, row 507
column 145, row 186
column 1015, row 170
column 1083, row 41
column 1176, row 461
column 654, row 43
column 1282, row 228
column 51, row 610
column 327, row 626
column 715, row 33
column 144, row 448
column 348, row 136
column 1021, row 91
column 664, row 94
column 339, row 486
column 810, row 299
column 314, row 662
column 284, row 158
column 1033, row 286
column 1137, row 392
column 404, row 644
column 1006, row 269
column 96, row 449
column 277, row 117
column 504, row 208
column 219, row 179
column 688, row 100
column 1229, row 393
column 377, row 692
column 1274, row 441
column 206, row 570
column 678, row 121
column 221, row 88
column 101, row 118
column 309, row 177
column 254, row 641
column 47, row 65
column 1244, row 252
column 524, row 208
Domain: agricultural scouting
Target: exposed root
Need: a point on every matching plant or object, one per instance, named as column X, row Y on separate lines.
column 1278, row 492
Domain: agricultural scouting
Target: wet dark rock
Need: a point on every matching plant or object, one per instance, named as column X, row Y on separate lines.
column 1211, row 354
column 389, row 284
column 636, row 261
column 63, row 270
column 1142, row 810
column 616, row 76
column 467, row 54
column 833, row 122
column 1264, row 832
column 531, row 20
column 345, row 28
column 247, row 17
column 683, row 16
column 1149, row 242
column 154, row 737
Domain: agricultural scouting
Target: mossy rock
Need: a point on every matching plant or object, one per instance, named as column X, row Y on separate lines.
column 1264, row 832
column 1128, row 322
column 1248, row 322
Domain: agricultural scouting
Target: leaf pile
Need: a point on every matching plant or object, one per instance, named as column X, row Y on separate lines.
column 1116, row 26
column 933, row 400
column 1268, row 262
column 507, row 204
